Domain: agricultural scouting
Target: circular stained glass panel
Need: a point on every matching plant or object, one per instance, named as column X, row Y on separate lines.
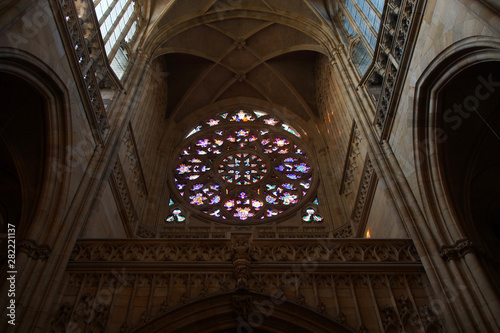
column 242, row 169
column 234, row 171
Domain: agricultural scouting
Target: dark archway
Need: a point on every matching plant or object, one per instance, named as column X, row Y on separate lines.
column 22, row 134
column 470, row 154
column 458, row 151
column 247, row 312
column 22, row 152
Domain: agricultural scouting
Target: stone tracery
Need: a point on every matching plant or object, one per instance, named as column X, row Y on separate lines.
column 243, row 166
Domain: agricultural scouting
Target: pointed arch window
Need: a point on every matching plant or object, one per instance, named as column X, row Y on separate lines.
column 244, row 166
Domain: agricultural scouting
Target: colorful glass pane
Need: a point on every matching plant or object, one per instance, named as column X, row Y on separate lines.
column 215, row 213
column 271, row 200
column 257, row 204
column 229, row 204
column 302, row 167
column 176, row 216
column 266, row 155
column 290, row 129
column 288, row 199
column 215, row 200
column 183, row 168
column 197, row 199
column 281, row 142
column 196, row 129
column 203, row 143
column 242, row 116
column 213, row 122
column 259, row 114
column 243, row 213
column 271, row 121
column 311, row 215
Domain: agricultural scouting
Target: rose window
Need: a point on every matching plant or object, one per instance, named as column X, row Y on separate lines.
column 243, row 166
column 242, row 169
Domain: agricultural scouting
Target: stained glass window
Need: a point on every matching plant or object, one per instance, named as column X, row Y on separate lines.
column 175, row 216
column 311, row 215
column 243, row 166
column 244, row 116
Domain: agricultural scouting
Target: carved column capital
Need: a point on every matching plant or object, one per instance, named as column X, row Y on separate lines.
column 458, row 250
column 33, row 250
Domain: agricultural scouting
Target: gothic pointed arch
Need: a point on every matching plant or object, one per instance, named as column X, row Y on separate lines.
column 243, row 312
column 457, row 148
column 34, row 148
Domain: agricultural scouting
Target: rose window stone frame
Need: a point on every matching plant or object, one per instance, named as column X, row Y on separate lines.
column 243, row 167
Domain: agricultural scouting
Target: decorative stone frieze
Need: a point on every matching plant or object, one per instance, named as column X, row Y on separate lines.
column 261, row 250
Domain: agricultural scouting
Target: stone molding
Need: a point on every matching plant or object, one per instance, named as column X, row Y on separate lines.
column 351, row 160
column 124, row 199
column 135, row 163
column 364, row 191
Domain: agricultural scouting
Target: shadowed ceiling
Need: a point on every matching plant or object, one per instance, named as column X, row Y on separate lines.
column 264, row 50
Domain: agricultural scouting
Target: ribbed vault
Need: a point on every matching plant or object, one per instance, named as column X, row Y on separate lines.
column 220, row 50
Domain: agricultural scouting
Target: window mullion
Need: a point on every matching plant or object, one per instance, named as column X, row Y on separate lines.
column 115, row 23
column 122, row 35
column 365, row 19
column 106, row 12
column 358, row 31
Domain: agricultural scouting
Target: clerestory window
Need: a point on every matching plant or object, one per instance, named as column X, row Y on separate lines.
column 362, row 20
column 118, row 26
